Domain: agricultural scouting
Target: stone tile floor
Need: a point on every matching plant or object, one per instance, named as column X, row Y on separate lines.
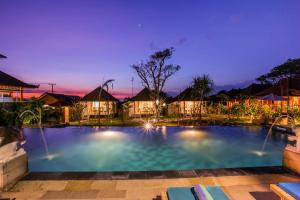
column 236, row 187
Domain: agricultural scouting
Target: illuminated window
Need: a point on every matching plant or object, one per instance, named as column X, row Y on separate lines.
column 95, row 105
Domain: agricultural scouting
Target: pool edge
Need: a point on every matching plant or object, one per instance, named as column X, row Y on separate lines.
column 132, row 175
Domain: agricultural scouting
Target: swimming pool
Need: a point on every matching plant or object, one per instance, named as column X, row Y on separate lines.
column 162, row 148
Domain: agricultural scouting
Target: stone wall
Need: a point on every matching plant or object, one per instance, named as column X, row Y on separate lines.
column 291, row 161
column 13, row 169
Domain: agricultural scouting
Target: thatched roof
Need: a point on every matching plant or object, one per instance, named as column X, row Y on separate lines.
column 2, row 56
column 143, row 95
column 55, row 99
column 94, row 96
column 8, row 80
column 186, row 95
column 285, row 87
column 272, row 97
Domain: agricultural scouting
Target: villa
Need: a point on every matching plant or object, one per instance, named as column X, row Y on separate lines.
column 236, row 96
column 12, row 89
column 142, row 104
column 186, row 104
column 59, row 101
column 107, row 103
column 289, row 91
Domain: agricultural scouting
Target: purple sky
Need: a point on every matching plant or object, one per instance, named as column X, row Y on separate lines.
column 77, row 44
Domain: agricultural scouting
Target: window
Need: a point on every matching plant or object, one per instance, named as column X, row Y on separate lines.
column 95, row 105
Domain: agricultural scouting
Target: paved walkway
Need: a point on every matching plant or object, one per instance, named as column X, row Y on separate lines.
column 236, row 187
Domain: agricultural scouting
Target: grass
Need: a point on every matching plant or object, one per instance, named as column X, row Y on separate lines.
column 169, row 121
column 107, row 122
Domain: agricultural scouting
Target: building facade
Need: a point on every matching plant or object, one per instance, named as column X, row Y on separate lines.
column 288, row 89
column 60, row 101
column 141, row 104
column 105, row 105
column 187, row 105
column 12, row 89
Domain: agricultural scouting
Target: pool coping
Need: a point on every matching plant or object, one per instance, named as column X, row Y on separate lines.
column 132, row 175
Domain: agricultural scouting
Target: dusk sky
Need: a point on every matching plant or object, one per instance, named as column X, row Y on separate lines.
column 76, row 44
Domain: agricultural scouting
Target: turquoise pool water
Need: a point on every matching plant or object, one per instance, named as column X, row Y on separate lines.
column 162, row 148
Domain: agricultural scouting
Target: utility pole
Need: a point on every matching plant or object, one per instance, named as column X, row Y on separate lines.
column 52, row 85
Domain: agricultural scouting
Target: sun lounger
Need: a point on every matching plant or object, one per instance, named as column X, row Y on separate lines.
column 217, row 193
column 180, row 193
column 189, row 193
column 287, row 191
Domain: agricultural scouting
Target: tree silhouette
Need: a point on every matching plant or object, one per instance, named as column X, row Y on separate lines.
column 155, row 72
column 286, row 70
column 106, row 85
column 202, row 86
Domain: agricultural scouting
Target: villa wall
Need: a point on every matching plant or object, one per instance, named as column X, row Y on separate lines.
column 291, row 161
column 12, row 169
column 186, row 107
column 141, row 108
column 106, row 108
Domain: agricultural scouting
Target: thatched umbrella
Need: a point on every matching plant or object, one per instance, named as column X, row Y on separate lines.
column 2, row 56
column 272, row 97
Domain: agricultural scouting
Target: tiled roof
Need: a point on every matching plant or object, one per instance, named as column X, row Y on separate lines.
column 8, row 80
column 62, row 99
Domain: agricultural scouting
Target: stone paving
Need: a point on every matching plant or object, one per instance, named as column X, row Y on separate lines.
column 236, row 187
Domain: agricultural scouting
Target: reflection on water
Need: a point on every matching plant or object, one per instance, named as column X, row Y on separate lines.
column 51, row 156
column 109, row 134
column 192, row 134
column 259, row 153
column 164, row 148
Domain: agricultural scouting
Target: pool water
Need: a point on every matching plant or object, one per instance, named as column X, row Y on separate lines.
column 162, row 148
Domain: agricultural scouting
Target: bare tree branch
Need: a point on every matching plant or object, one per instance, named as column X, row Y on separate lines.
column 154, row 73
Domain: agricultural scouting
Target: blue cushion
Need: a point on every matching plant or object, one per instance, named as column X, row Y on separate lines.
column 216, row 193
column 180, row 193
column 292, row 188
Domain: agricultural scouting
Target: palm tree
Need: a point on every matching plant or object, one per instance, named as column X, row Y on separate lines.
column 202, row 86
column 106, row 85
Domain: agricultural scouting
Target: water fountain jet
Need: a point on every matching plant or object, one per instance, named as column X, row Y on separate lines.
column 262, row 151
column 48, row 155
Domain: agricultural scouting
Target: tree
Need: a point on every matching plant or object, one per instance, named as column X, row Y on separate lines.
column 106, row 85
column 202, row 86
column 253, row 109
column 155, row 72
column 286, row 70
column 77, row 110
column 36, row 113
